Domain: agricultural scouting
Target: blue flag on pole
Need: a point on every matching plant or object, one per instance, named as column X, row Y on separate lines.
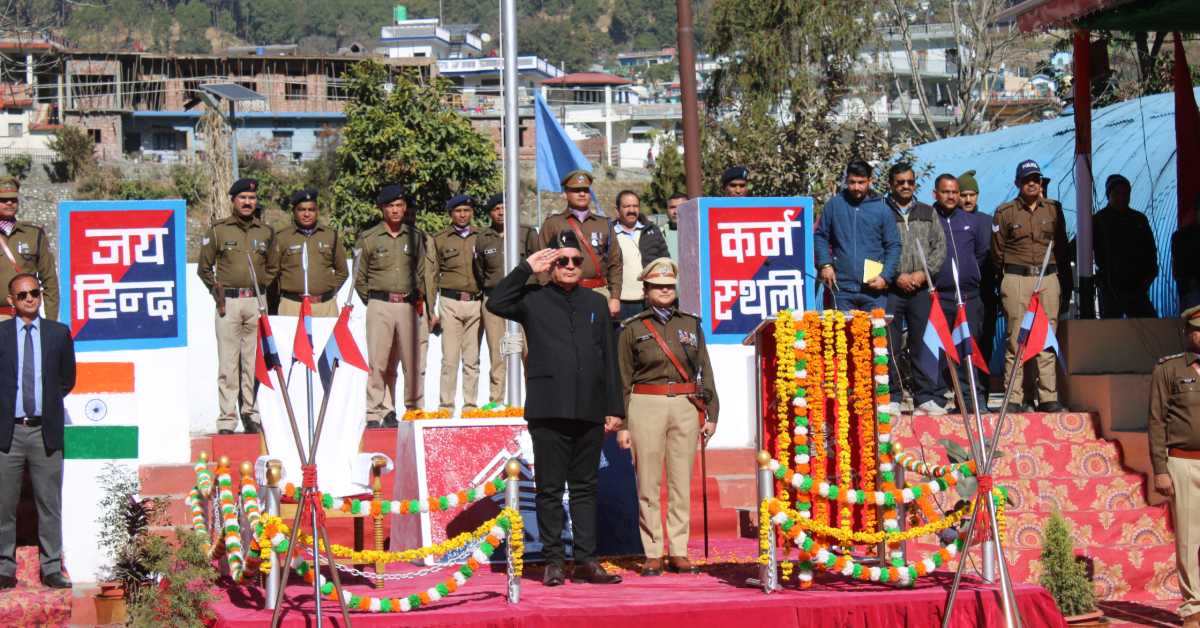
column 557, row 153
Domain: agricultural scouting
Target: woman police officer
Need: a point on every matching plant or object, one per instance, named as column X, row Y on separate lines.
column 671, row 403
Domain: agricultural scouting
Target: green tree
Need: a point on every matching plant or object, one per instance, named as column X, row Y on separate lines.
column 74, row 151
column 668, row 179
column 194, row 18
column 407, row 136
column 1062, row 573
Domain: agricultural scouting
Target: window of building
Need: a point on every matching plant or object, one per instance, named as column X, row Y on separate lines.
column 295, row 91
column 95, row 135
column 283, row 140
column 14, row 129
column 166, row 140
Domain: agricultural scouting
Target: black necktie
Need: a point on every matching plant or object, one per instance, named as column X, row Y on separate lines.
column 28, row 394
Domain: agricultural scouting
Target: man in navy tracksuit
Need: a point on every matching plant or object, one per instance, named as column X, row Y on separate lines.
column 855, row 227
column 968, row 240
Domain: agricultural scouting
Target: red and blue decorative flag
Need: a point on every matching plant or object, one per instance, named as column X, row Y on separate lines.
column 1035, row 331
column 302, row 345
column 339, row 348
column 267, row 357
column 936, row 339
column 963, row 338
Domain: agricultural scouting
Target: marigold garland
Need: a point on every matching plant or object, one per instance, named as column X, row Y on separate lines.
column 421, row 415
column 785, row 368
column 864, row 408
column 404, row 556
column 842, row 408
column 816, row 413
column 494, row 413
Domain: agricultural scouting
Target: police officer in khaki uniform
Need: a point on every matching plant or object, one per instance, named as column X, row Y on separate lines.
column 456, row 284
column 226, row 252
column 1174, row 431
column 602, row 265
column 489, row 251
column 390, row 277
column 326, row 258
column 1021, row 230
column 24, row 249
column 670, row 401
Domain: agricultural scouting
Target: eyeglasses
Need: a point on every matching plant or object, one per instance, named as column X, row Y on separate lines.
column 36, row 293
column 563, row 262
column 8, row 201
column 904, row 182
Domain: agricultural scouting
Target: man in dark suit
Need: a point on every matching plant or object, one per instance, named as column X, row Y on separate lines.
column 37, row 369
column 573, row 396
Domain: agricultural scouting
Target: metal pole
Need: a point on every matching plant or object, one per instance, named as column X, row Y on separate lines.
column 312, row 459
column 686, row 43
column 512, row 499
column 274, row 472
column 512, row 188
column 233, row 145
column 768, row 574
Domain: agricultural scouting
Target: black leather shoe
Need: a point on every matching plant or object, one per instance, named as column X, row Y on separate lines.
column 554, row 575
column 390, row 420
column 652, row 567
column 374, row 425
column 592, row 573
column 224, row 431
column 680, row 564
column 1051, row 406
column 250, row 427
column 7, row 582
column 1014, row 408
column 56, row 581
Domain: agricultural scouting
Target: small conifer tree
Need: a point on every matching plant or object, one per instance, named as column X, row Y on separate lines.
column 1062, row 575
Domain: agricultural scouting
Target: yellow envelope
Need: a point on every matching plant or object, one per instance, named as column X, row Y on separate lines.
column 871, row 269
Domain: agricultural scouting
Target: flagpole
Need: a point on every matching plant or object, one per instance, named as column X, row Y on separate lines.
column 512, row 189
column 308, row 388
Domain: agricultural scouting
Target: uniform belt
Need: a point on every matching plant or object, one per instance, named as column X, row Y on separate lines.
column 669, row 389
column 1188, row 454
column 315, row 298
column 240, row 293
column 593, row 283
column 391, row 297
column 8, row 310
column 1027, row 271
column 29, row 421
column 459, row 295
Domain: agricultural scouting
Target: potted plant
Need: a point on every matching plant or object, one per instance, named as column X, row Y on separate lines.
column 185, row 577
column 124, row 523
column 1064, row 576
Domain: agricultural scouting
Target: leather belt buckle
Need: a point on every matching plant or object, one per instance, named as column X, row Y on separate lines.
column 246, row 293
column 671, row 389
column 397, row 297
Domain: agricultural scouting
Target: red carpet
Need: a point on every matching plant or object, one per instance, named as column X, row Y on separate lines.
column 717, row 597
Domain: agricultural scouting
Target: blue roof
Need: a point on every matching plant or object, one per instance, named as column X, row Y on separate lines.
column 1135, row 138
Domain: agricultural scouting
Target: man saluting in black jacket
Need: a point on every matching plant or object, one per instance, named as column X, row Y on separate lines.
column 573, row 396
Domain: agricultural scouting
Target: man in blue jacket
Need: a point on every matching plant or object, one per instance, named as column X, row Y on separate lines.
column 854, row 228
column 968, row 241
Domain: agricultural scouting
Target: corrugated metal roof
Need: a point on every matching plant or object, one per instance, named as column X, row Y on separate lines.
column 1135, row 138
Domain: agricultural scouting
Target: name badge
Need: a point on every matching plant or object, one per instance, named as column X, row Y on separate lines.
column 642, row 337
column 490, row 251
column 295, row 247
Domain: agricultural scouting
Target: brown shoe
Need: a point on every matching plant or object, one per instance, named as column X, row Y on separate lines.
column 1192, row 621
column 592, row 573
column 553, row 576
column 652, row 567
column 680, row 564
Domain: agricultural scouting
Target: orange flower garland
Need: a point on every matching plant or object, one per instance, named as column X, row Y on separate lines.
column 864, row 409
column 842, row 401
column 822, row 357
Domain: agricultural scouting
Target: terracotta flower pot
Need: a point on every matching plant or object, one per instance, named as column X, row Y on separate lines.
column 110, row 603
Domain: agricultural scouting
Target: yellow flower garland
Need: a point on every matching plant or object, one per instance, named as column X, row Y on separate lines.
column 874, row 538
column 404, row 556
column 842, row 400
column 785, row 368
column 816, row 412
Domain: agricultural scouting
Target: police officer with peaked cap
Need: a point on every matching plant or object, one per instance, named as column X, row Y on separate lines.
column 602, row 262
column 227, row 251
column 390, row 277
column 307, row 238
column 24, row 248
column 735, row 181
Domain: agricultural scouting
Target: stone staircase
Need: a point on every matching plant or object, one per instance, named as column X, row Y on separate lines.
column 1058, row 462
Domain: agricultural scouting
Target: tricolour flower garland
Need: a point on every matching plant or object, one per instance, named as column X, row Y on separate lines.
column 442, row 503
column 402, row 556
column 496, row 531
column 883, row 399
column 231, row 524
column 203, row 477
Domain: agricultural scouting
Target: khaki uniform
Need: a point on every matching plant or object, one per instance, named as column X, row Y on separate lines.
column 597, row 233
column 30, row 254
column 489, row 250
column 456, row 281
column 326, row 268
column 1174, row 431
column 223, row 261
column 390, row 277
column 664, row 425
column 1019, row 239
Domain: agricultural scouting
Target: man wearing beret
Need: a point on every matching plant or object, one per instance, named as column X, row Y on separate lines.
column 390, row 277
column 1174, row 432
column 574, row 397
column 602, row 263
column 24, row 248
column 309, row 259
column 455, row 284
column 735, row 181
column 1126, row 256
column 489, row 250
column 226, row 253
column 1022, row 230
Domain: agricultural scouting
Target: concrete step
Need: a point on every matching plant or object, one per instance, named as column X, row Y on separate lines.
column 169, row 479
column 1100, row 528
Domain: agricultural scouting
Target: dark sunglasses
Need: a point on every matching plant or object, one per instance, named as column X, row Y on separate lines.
column 576, row 261
column 900, row 182
column 35, row 293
